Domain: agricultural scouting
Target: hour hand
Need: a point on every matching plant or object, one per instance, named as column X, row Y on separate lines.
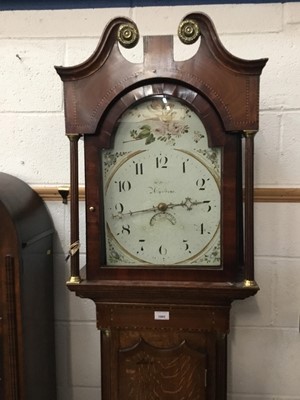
column 188, row 203
column 120, row 215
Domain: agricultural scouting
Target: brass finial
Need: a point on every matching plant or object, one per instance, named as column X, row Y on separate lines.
column 128, row 35
column 188, row 31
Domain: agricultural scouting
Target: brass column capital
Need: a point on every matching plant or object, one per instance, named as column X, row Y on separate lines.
column 248, row 133
column 73, row 137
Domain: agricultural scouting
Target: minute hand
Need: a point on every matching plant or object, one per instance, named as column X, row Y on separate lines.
column 162, row 207
column 120, row 215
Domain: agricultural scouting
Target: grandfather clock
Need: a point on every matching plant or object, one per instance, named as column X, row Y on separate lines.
column 169, row 230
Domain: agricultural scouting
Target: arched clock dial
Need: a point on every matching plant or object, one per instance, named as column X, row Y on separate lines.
column 162, row 188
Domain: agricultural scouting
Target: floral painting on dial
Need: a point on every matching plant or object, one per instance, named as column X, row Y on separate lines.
column 163, row 121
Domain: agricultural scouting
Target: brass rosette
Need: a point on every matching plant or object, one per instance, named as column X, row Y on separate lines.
column 188, row 31
column 128, row 35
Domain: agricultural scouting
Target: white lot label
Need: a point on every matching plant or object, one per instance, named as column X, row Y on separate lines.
column 164, row 315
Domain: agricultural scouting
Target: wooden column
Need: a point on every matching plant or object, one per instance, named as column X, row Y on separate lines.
column 249, row 212
column 75, row 244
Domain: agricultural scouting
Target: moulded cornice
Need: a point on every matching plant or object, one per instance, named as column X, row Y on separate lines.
column 230, row 83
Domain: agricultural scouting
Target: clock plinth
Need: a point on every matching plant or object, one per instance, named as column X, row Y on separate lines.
column 169, row 247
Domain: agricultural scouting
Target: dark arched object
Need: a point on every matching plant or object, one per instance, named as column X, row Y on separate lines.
column 27, row 354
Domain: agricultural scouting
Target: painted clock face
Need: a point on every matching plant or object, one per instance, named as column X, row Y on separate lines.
column 162, row 188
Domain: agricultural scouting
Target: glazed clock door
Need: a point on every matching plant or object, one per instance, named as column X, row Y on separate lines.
column 162, row 199
column 162, row 189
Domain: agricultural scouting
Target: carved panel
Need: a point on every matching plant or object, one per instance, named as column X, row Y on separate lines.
column 156, row 373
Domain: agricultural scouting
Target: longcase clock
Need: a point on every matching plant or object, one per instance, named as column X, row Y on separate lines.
column 169, row 205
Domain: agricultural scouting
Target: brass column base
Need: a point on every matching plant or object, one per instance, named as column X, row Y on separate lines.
column 248, row 283
column 74, row 280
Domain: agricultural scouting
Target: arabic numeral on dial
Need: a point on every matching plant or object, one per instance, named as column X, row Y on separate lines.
column 125, row 229
column 119, row 208
column 161, row 162
column 139, row 168
column 200, row 183
column 187, row 246
column 209, row 206
column 124, row 186
column 141, row 249
column 202, row 229
column 162, row 250
column 184, row 166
